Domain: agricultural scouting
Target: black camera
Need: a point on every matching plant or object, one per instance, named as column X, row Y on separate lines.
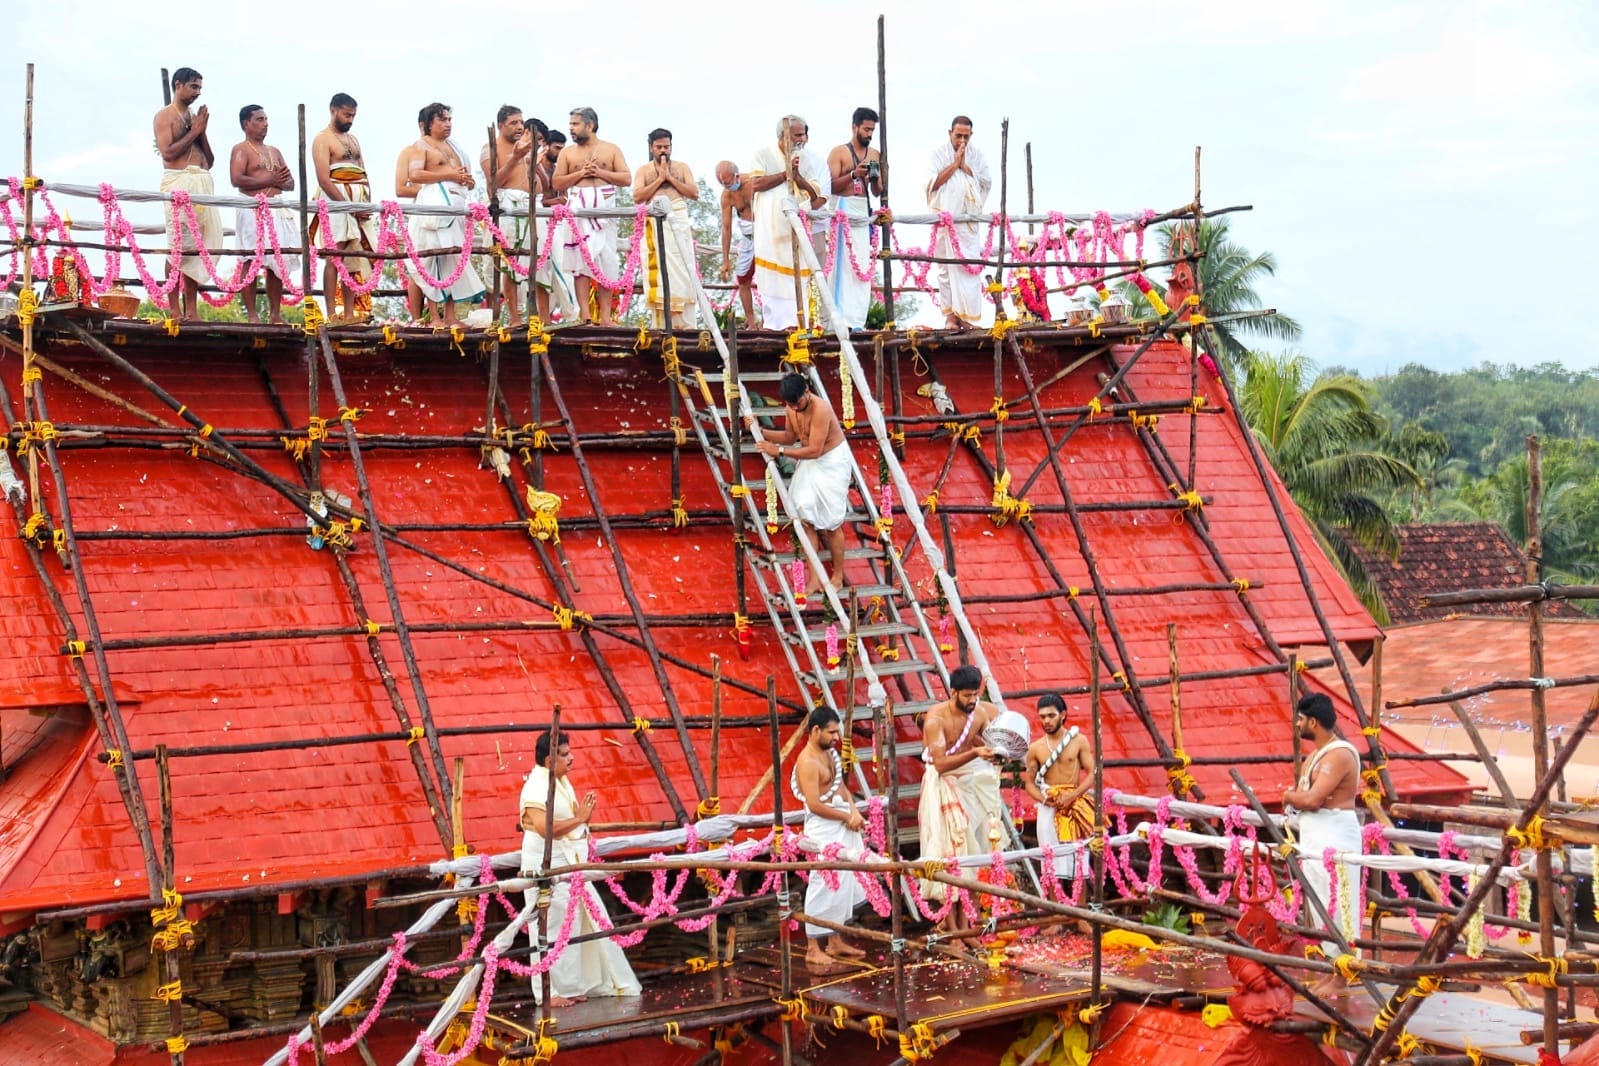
column 873, row 169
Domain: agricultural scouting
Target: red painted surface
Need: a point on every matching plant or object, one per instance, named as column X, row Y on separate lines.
column 267, row 818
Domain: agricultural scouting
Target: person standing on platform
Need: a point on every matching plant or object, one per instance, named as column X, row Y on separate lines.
column 256, row 168
column 181, row 138
column 959, row 185
column 588, row 172
column 1323, row 803
column 738, row 234
column 341, row 175
column 1060, row 771
column 855, row 168
column 960, row 811
column 438, row 173
column 594, row 967
column 775, row 171
column 663, row 179
column 830, row 818
column 514, row 142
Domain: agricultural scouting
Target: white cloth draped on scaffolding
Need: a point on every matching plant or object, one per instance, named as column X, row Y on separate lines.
column 594, row 967
column 774, row 245
column 960, row 292
column 959, row 812
column 1340, row 831
column 851, row 258
column 835, row 905
column 432, row 232
column 192, row 180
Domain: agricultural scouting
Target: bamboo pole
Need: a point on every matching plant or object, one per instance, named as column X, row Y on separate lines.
column 999, row 302
column 493, row 300
column 172, row 957
column 1097, row 855
column 1511, row 685
column 546, row 892
column 887, row 227
column 26, row 321
column 784, row 910
column 1540, row 736
column 714, row 797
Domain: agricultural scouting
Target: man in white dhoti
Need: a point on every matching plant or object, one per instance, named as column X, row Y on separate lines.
column 1323, row 802
column 438, row 174
column 830, row 818
column 1060, row 771
column 960, row 811
column 819, row 489
column 959, row 184
column 342, row 177
column 738, row 234
column 672, row 185
column 856, row 177
column 588, row 172
column 256, row 168
column 187, row 158
column 594, row 967
column 511, row 170
column 783, row 173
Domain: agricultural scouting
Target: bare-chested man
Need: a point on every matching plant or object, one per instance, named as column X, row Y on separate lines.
column 1324, row 803
column 960, row 811
column 1060, row 771
column 435, row 172
column 588, row 172
column 738, row 230
column 664, row 177
column 855, row 167
column 819, row 489
column 341, row 175
column 513, row 179
column 256, row 168
column 186, row 157
column 830, row 818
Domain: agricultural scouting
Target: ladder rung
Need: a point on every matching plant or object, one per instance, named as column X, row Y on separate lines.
column 881, row 629
column 902, row 667
column 903, row 750
column 869, row 552
column 902, row 709
column 751, row 375
column 868, row 591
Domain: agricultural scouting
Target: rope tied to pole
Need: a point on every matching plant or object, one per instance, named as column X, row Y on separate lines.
column 35, row 528
column 669, row 360
column 679, row 431
column 1142, row 421
column 113, row 758
column 1550, row 977
column 671, row 1032
column 642, row 725
column 169, row 993
column 876, row 1025
column 709, row 807
column 538, row 341
column 1007, row 507
column 1532, row 836
column 417, row 733
column 543, row 523
column 313, row 316
column 568, row 617
column 999, row 409
column 77, row 649
column 918, row 1044
column 545, row 1045
column 930, row 504
column 679, row 513
column 27, row 307
column 372, row 628
column 177, row 1045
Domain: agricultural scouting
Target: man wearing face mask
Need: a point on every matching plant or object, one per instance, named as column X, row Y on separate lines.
column 738, row 229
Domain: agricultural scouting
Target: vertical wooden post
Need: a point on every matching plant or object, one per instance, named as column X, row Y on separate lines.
column 999, row 295
column 713, row 933
column 546, row 890
column 305, row 214
column 785, row 957
column 172, row 958
column 1176, row 695
column 533, row 197
column 29, row 386
column 883, row 718
column 1293, row 714
column 1194, row 337
column 1540, row 735
column 1028, row 151
column 494, row 214
column 1375, row 717
column 882, row 177
column 1097, row 871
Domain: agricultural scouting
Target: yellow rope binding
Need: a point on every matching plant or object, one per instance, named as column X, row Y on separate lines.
column 1531, row 837
column 313, row 316
column 113, row 758
column 876, row 1026
column 177, row 1045
column 642, row 725
column 709, row 807
column 27, row 307
column 416, row 734
column 545, row 506
column 170, row 993
column 679, row 513
column 999, row 409
column 673, row 1030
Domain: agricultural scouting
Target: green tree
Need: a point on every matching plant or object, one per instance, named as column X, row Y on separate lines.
column 1568, row 517
column 1331, row 450
column 1228, row 274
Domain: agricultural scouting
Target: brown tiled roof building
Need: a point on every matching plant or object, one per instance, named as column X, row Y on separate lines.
column 1448, row 557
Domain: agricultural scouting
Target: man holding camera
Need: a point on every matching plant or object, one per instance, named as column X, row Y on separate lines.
column 856, row 170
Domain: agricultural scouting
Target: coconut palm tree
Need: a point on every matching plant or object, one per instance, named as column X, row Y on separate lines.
column 1228, row 274
column 1328, row 445
column 1566, row 522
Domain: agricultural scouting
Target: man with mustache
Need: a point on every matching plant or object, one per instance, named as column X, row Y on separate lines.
column 588, row 172
column 341, row 175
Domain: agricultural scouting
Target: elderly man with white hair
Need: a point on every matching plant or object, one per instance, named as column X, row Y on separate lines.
column 780, row 172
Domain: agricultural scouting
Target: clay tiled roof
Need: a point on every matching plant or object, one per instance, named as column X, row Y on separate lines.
column 269, row 817
column 1449, row 557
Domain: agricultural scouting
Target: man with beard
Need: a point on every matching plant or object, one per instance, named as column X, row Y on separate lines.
column 830, row 818
column 180, row 137
column 738, row 231
column 1324, row 803
column 959, row 185
column 665, row 180
column 819, row 489
column 514, row 142
column 778, row 172
column 592, row 967
column 341, row 174
column 588, row 172
column 854, row 166
column 436, row 172
column 257, row 168
column 960, row 809
column 1060, row 771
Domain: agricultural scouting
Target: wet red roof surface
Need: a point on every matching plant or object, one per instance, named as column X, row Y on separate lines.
column 1450, row 557
column 243, row 820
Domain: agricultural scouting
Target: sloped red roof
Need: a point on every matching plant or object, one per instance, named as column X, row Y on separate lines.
column 1449, row 557
column 245, row 820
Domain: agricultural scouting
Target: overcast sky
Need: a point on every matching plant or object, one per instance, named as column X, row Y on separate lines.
column 1423, row 172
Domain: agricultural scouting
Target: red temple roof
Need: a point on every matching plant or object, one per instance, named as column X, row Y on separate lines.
column 273, row 817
